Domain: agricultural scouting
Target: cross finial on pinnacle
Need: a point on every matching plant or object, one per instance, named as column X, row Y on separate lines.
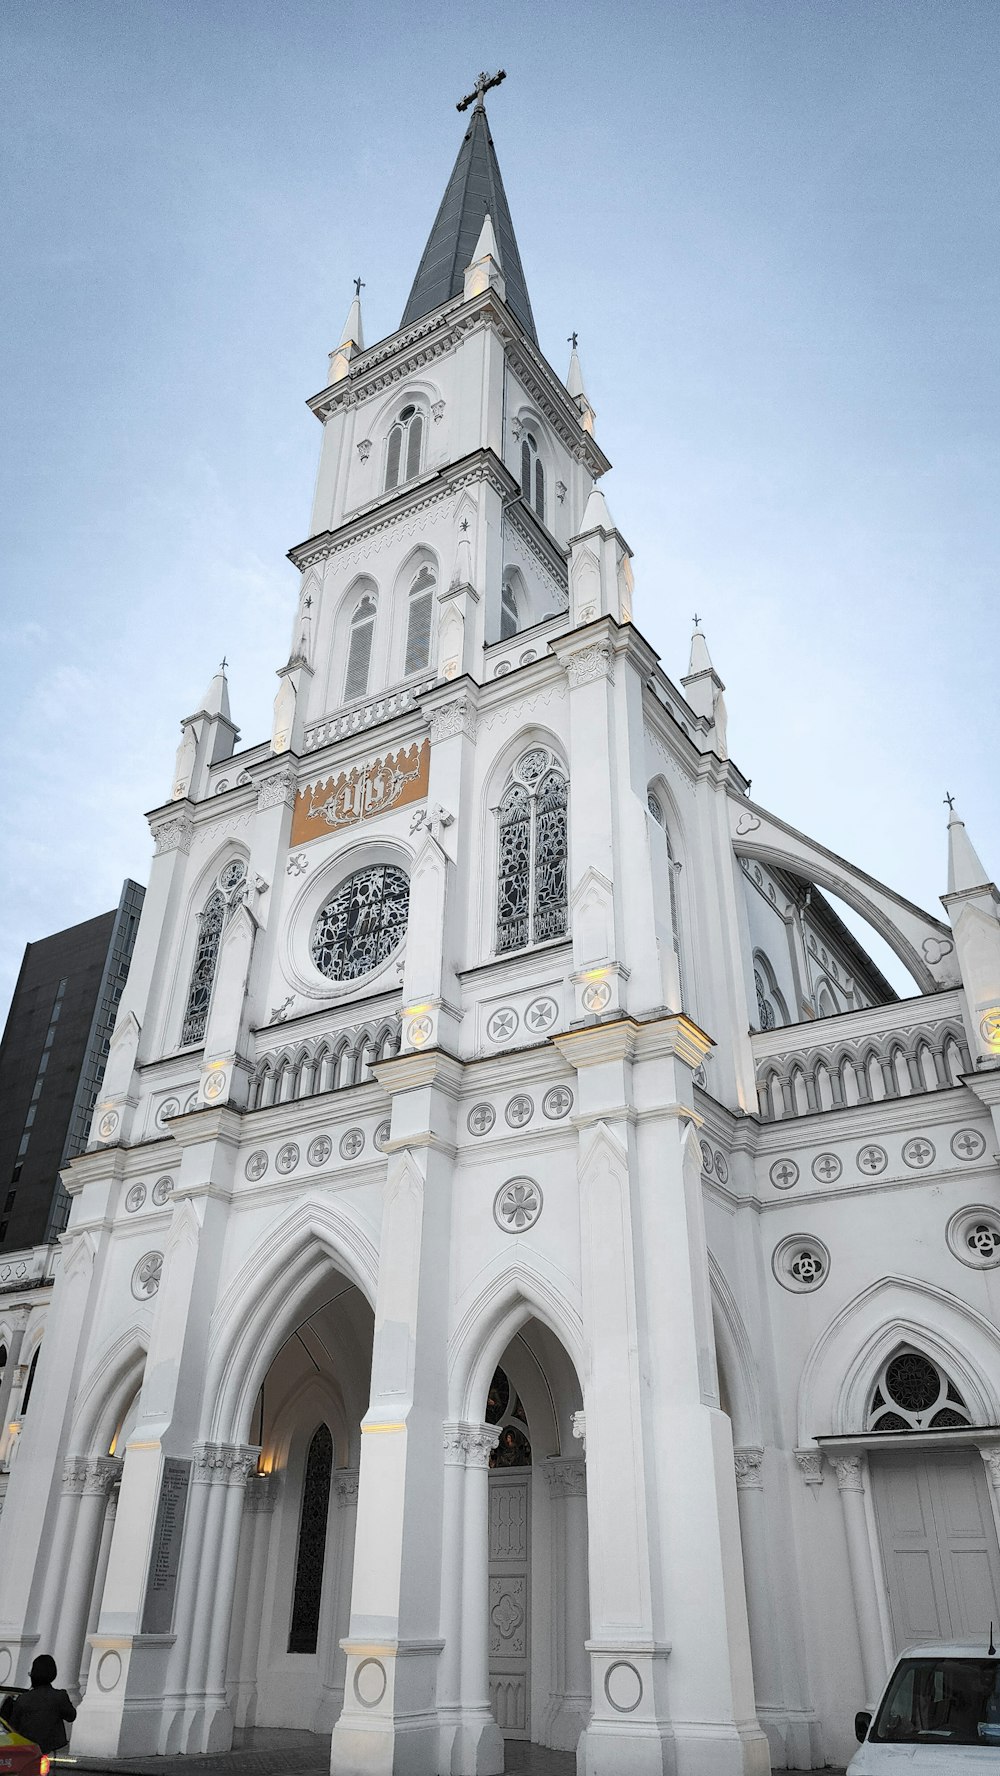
column 483, row 83
column 359, row 285
column 573, row 340
column 950, row 801
column 309, row 602
column 696, row 620
column 223, row 663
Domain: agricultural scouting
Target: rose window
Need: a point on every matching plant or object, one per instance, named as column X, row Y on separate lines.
column 362, row 924
column 913, row 1394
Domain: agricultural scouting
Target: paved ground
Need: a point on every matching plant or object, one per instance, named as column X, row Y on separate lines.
column 267, row 1752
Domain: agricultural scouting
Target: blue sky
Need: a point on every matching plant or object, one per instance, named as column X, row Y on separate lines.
column 774, row 226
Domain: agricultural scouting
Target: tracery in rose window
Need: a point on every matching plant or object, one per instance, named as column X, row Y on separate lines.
column 914, row 1394
column 532, row 900
column 362, row 923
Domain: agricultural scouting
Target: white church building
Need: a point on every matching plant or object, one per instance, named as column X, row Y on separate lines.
column 531, row 1277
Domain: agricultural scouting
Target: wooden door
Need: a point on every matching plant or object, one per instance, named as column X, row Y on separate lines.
column 509, row 1553
column 939, row 1544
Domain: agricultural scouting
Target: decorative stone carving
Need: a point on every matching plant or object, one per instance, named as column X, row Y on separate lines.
column 277, row 790
column 749, row 1463
column 566, row 1476
column 365, row 449
column 848, row 1471
column 437, row 411
column 147, row 1275
column 174, row 834
column 224, row 1462
column 579, row 1423
column 590, row 663
column 991, row 1456
column 345, row 1485
column 453, row 718
column 810, row 1465
column 74, row 1474
column 517, row 1205
column 480, row 1442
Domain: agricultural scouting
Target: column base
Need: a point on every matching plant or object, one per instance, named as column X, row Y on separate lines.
column 478, row 1746
column 795, row 1740
column 122, row 1713
column 565, row 1720
column 388, row 1726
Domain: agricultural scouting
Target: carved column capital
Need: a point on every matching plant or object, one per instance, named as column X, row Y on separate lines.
column 849, row 1472
column 458, row 717
column 278, row 789
column 224, row 1463
column 810, row 1465
column 173, row 834
column 480, row 1442
column 749, row 1465
column 102, row 1472
column 990, row 1453
column 590, row 663
column 454, row 1445
column 74, row 1474
column 345, row 1485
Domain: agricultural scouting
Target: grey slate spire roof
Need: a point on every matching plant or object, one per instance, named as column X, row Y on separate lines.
column 474, row 189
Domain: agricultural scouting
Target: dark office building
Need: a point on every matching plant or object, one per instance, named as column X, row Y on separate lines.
column 52, row 1061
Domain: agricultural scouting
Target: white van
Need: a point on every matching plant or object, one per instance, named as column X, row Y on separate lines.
column 939, row 1715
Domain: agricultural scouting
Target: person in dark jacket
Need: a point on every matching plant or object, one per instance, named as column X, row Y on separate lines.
column 41, row 1712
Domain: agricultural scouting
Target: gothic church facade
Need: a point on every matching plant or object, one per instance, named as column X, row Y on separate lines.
column 530, row 1277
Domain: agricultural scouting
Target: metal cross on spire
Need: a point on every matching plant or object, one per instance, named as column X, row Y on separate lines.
column 223, row 663
column 696, row 620
column 359, row 285
column 573, row 340
column 483, row 84
column 950, row 801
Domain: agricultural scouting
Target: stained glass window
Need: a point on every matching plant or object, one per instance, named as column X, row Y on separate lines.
column 765, row 1010
column 308, row 1592
column 532, row 474
column 913, row 1394
column 502, row 1408
column 362, row 924
column 206, row 955
column 532, row 900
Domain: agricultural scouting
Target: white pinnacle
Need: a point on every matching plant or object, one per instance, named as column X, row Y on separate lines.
column 965, row 869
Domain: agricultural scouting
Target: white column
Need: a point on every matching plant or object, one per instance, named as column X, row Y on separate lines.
column 749, row 1463
column 104, row 1551
column 213, row 1456
column 258, row 1506
column 81, row 1567
column 567, row 1483
column 218, row 1729
column 850, row 1482
column 450, row 1663
column 480, row 1743
column 51, row 1605
column 184, row 1600
column 19, row 1317
column 345, row 1486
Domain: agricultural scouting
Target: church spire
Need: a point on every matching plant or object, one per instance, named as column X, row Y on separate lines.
column 965, row 871
column 352, row 339
column 575, row 388
column 474, row 191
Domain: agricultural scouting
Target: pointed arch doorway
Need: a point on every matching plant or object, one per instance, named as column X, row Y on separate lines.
column 539, row 1674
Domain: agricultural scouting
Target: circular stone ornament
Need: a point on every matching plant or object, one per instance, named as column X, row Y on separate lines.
column 135, row 1198
column 169, row 1107
column 256, row 1165
column 596, row 996
column 872, row 1160
column 623, row 1686
column 108, row 1125
column 319, row 1150
column 827, row 1168
column 380, row 1138
column 541, row 1014
column 517, row 1205
column 918, row 1153
column 801, row 1263
column 973, row 1234
column 287, row 1157
column 783, row 1174
column 519, row 1111
column 968, row 1144
column 557, row 1103
column 109, row 1670
column 163, row 1189
column 352, row 1143
column 502, row 1024
column 215, row 1085
column 480, row 1119
column 146, row 1276
column 370, row 1682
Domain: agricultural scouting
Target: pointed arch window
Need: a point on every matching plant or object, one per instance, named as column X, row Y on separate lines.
column 403, row 448
column 503, row 1408
column 359, row 648
column 308, row 1593
column 914, row 1394
column 532, row 474
column 532, row 903
column 509, row 613
column 29, row 1384
column 420, row 614
column 228, row 890
column 655, row 809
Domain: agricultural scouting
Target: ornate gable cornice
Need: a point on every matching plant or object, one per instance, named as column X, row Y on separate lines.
column 440, row 333
column 373, row 523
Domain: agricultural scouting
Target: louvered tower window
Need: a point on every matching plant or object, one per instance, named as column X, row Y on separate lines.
column 418, row 625
column 359, row 649
column 531, row 865
column 402, row 457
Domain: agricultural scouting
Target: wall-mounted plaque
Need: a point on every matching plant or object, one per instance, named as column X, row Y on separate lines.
column 164, row 1561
